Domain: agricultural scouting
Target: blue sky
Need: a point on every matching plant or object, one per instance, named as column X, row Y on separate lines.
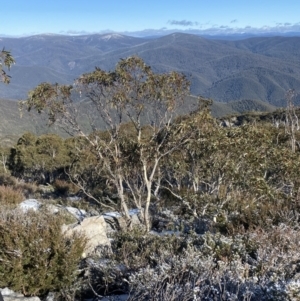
column 142, row 17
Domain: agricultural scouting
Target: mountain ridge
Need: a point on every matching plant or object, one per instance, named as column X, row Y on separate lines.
column 255, row 68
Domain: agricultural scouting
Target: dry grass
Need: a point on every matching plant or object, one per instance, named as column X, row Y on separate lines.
column 10, row 196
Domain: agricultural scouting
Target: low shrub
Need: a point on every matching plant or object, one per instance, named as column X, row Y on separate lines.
column 221, row 268
column 187, row 277
column 63, row 187
column 131, row 251
column 239, row 212
column 35, row 257
column 136, row 249
column 29, row 189
column 257, row 265
column 10, row 196
column 7, row 179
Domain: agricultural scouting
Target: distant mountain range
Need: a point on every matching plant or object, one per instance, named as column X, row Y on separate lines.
column 256, row 69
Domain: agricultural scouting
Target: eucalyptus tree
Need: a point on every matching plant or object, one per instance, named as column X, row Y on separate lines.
column 6, row 60
column 130, row 114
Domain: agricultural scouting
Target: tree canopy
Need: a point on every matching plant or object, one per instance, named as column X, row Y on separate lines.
column 137, row 108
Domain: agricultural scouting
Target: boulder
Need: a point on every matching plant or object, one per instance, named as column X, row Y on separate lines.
column 13, row 298
column 9, row 295
column 94, row 228
column 30, row 204
column 116, row 221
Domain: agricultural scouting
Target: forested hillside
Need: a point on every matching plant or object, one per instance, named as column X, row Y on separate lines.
column 253, row 69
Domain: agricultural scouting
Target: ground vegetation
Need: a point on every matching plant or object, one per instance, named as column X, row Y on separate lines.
column 218, row 200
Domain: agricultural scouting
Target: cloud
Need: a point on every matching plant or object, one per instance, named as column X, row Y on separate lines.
column 234, row 21
column 73, row 32
column 209, row 29
column 182, row 23
column 84, row 32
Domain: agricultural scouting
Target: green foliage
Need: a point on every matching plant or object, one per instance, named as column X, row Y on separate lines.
column 35, row 256
column 39, row 158
column 137, row 250
column 241, row 177
column 6, row 60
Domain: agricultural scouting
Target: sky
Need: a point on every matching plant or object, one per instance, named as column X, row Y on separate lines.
column 143, row 17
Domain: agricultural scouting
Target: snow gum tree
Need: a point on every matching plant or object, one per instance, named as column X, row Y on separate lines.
column 130, row 114
column 6, row 60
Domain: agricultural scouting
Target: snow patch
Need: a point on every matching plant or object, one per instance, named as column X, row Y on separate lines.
column 78, row 213
column 107, row 37
column 117, row 214
column 30, row 204
column 112, row 214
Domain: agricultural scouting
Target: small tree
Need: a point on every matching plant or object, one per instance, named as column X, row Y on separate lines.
column 137, row 109
column 41, row 159
column 6, row 60
column 291, row 118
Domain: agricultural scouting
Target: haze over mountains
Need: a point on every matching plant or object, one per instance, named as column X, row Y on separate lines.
column 260, row 68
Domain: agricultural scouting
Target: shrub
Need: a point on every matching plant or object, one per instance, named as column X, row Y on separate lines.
column 10, row 196
column 131, row 251
column 7, row 180
column 35, row 257
column 29, row 189
column 186, row 277
column 63, row 187
column 257, row 265
column 206, row 272
column 137, row 250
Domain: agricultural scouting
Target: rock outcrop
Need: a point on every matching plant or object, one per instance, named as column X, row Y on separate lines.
column 8, row 295
column 94, row 228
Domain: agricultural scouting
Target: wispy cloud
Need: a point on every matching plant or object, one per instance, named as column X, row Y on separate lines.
column 182, row 23
column 83, row 32
column 214, row 29
column 207, row 28
column 73, row 32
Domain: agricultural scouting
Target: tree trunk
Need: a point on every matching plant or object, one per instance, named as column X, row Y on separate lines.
column 122, row 198
column 146, row 212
